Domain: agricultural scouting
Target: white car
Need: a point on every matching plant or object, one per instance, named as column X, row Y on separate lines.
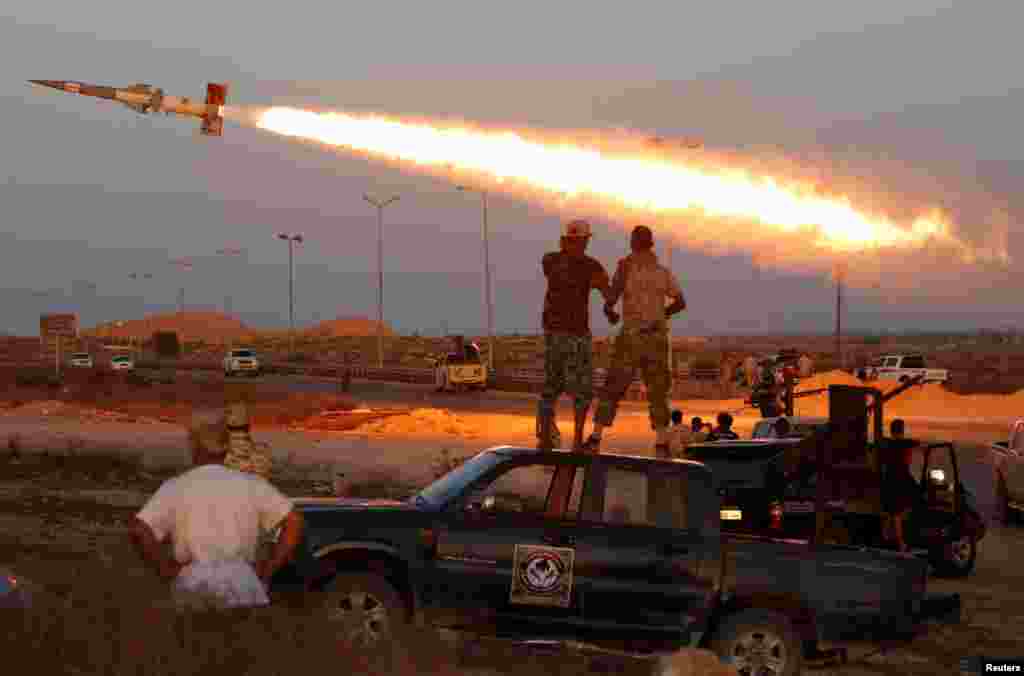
column 80, row 360
column 239, row 361
column 121, row 362
column 1008, row 462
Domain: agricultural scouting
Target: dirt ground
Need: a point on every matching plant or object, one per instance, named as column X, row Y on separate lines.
column 70, row 478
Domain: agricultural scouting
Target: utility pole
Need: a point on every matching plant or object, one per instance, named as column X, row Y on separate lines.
column 185, row 265
column 146, row 322
column 379, row 205
column 292, row 239
column 485, row 234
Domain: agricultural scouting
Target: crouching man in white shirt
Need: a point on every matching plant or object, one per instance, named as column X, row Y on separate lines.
column 214, row 517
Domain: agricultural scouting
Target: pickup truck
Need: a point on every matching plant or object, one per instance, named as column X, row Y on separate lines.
column 636, row 555
column 758, row 496
column 903, row 368
column 1008, row 464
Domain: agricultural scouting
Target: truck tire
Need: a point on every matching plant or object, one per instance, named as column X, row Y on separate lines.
column 758, row 643
column 956, row 558
column 367, row 609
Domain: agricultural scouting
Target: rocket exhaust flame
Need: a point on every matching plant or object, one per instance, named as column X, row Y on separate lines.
column 713, row 202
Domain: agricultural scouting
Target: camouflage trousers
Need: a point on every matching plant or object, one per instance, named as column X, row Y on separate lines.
column 568, row 367
column 645, row 349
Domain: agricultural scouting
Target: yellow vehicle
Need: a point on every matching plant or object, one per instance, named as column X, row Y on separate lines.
column 460, row 370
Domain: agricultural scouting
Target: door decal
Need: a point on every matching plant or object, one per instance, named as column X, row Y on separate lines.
column 542, row 576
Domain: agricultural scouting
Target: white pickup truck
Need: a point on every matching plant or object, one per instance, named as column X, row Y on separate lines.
column 903, row 367
column 239, row 361
column 1008, row 462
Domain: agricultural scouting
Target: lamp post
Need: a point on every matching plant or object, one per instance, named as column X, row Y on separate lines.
column 486, row 236
column 185, row 265
column 379, row 205
column 292, row 239
column 145, row 321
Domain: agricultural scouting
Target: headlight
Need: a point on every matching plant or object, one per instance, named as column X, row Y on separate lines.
column 938, row 476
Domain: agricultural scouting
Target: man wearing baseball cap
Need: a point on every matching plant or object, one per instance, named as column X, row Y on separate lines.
column 644, row 285
column 568, row 349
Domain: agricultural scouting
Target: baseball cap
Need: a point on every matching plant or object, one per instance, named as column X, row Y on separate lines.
column 577, row 228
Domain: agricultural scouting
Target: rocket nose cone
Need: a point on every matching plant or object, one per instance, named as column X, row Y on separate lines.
column 54, row 84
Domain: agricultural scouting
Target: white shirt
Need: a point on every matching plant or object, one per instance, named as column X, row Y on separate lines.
column 214, row 516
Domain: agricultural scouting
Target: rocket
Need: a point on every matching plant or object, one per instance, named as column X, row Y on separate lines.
column 145, row 99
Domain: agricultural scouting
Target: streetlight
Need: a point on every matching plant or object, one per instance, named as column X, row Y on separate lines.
column 485, row 235
column 292, row 239
column 380, row 272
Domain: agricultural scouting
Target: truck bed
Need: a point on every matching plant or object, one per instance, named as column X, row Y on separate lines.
column 847, row 589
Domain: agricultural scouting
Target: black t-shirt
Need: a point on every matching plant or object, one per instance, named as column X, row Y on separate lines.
column 567, row 301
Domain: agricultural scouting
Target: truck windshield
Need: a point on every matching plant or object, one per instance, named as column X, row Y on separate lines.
column 241, row 353
column 455, row 482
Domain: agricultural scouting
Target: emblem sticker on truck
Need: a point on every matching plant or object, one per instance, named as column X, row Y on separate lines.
column 542, row 576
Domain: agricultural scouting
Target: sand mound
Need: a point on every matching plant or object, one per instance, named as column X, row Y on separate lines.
column 826, row 379
column 206, row 326
column 929, row 400
column 350, row 326
column 424, row 421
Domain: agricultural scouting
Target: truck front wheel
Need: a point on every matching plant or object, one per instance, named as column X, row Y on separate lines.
column 366, row 609
column 758, row 643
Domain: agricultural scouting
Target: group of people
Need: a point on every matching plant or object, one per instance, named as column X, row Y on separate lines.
column 697, row 431
column 650, row 297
